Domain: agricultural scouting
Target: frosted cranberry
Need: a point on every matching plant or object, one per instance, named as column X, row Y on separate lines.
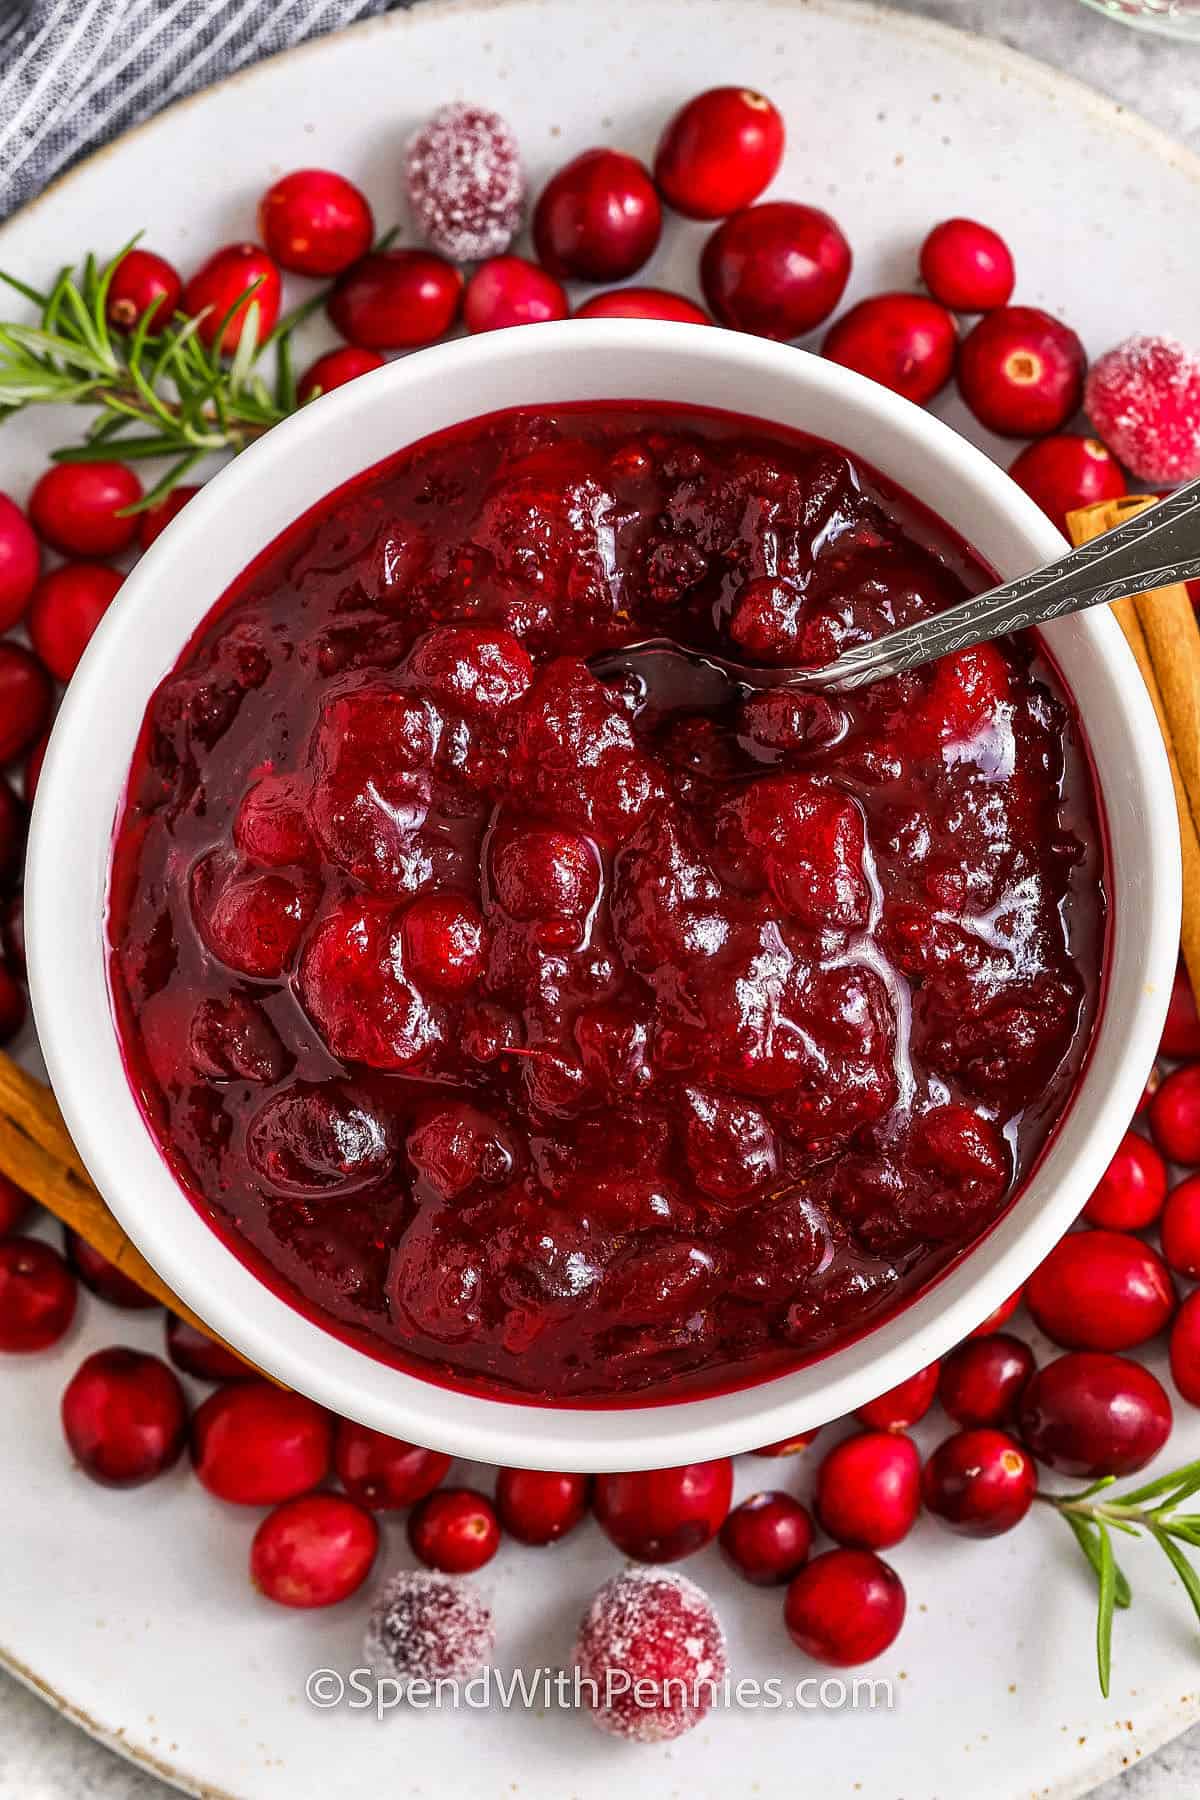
column 979, row 1483
column 472, row 667
column 767, row 1538
column 539, row 1507
column 396, row 300
column 252, row 922
column 540, row 872
column 255, row 1444
column 650, row 1655
column 868, row 1489
column 20, row 562
column 443, row 943
column 1144, row 400
column 384, row 1472
column 14, row 1008
column 789, row 1446
column 315, row 222
column 510, row 290
column 466, row 185
column 1065, row 472
column 1175, row 1115
column 1101, row 1290
column 719, row 152
column 67, row 606
column 335, row 369
column 777, row 270
column 845, row 1607
column 996, row 1320
column 903, row 1405
column 1179, row 1231
column 426, row 1627
column 37, row 1295
column 983, row 1379
column 1088, row 1415
column 124, row 1417
column 903, row 341
column 77, row 507
column 104, row 1277
column 153, row 520
column 25, row 700
column 454, row 1530
column 1184, row 1348
column 661, row 1515
column 271, row 826
column 143, row 284
column 313, row 1551
column 319, row 1139
column 597, row 219
column 14, row 1206
column 12, row 833
column 1021, row 371
column 219, row 290
column 1181, row 1033
column 197, row 1354
column 967, row 266
column 643, row 303
column 1131, row 1192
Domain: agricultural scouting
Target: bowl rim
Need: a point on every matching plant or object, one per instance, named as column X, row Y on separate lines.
column 67, row 886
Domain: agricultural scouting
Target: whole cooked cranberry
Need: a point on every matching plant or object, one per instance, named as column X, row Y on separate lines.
column 979, row 1483
column 473, row 667
column 868, row 1489
column 1175, row 1115
column 643, row 303
column 1179, row 1230
column 142, row 283
column 790, row 1446
column 661, row 1515
column 540, row 872
column 1021, row 371
column 845, row 1607
column 12, row 834
column 1132, row 1189
column 81, row 509
column 967, row 266
column 511, row 290
column 197, row 1354
column 67, row 606
column 1065, row 472
column 383, row 1472
column 1000, row 1317
column 983, row 1379
column 14, row 1008
column 256, row 1444
column 1181, row 1033
column 219, row 295
column 904, row 1404
column 153, row 520
column 124, row 1417
column 253, row 922
column 335, row 369
column 719, row 152
column 396, row 300
column 103, row 1277
column 1101, row 1290
column 315, row 222
column 313, row 1551
column 650, row 1655
column 777, row 270
column 1088, row 1414
column 1185, row 1349
column 37, row 1295
column 14, row 1206
column 538, row 1506
column 904, row 341
column 26, row 695
column 454, row 1530
column 767, row 1538
column 597, row 219
column 20, row 562
column 443, row 941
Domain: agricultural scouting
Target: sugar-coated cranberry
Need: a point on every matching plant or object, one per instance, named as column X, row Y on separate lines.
column 661, row 1515
column 904, row 1404
column 443, row 941
column 14, row 1206
column 979, row 1483
column 1179, row 1230
column 256, row 1444
column 454, row 1530
column 20, row 563
column 426, row 1627
column 651, row 1655
column 14, row 1008
column 197, row 1354
column 68, row 604
column 465, row 181
column 719, row 152
column 539, row 1506
column 1181, row 1033
column 1101, row 1290
column 767, row 1538
column 1088, row 1414
column 643, row 303
column 996, row 1320
column 153, row 520
column 104, row 1277
column 789, row 1446
column 983, row 1379
column 37, row 1295
column 124, row 1417
column 868, row 1489
column 383, row 1472
column 1066, row 471
column 904, row 341
column 313, row 1551
column 1131, row 1192
column 1175, row 1115
column 778, row 269
column 967, row 266
column 597, row 219
column 845, row 1607
column 1144, row 400
column 143, row 284
column 81, row 509
column 218, row 286
column 335, row 369
column 1185, row 1349
column 315, row 222
column 396, row 300
column 511, row 290
column 12, row 835
column 1021, row 371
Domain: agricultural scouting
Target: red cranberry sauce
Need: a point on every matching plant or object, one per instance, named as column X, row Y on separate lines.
column 575, row 1041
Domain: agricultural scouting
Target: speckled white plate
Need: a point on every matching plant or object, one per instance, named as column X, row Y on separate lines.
column 132, row 1612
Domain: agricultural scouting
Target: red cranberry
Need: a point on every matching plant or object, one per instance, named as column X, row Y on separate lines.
column 218, row 286
column 197, row 1354
column 1088, row 1414
column 979, row 1483
column 37, row 1295
column 454, row 1530
column 103, row 1277
column 767, row 1538
column 124, row 1417
column 643, row 303
column 1003, row 1313
column 539, row 1507
column 1101, row 1290
column 466, row 185
column 967, row 266
column 661, row 1515
column 396, row 300
column 1179, row 1231
column 14, row 1008
column 256, row 1444
column 68, row 604
column 12, row 834
column 719, row 152
column 650, row 1655
column 1185, row 1348
column 153, row 520
column 904, row 1404
column 383, row 1472
column 983, row 1379
column 1065, row 472
column 777, row 269
column 335, row 369
column 424, row 1627
column 472, row 667
column 1132, row 1189
column 1175, row 1115
column 1181, row 1033
column 443, row 941
column 869, row 1489
column 14, row 1206
column 1021, row 371
column 313, row 1551
column 314, row 222
column 903, row 341
column 598, row 219
column 790, row 1446
column 845, row 1607
column 510, row 290
column 1144, row 400
column 25, row 700
column 142, row 283
column 20, row 561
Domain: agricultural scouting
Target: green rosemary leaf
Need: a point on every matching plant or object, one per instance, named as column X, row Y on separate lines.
column 1107, row 1576
column 1086, row 1536
column 285, row 375
column 50, row 344
column 174, row 475
column 1165, row 1484
column 1182, row 1567
column 133, row 449
column 1105, row 1481
column 23, row 288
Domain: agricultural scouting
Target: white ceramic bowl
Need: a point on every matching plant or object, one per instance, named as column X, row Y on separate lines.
column 211, row 542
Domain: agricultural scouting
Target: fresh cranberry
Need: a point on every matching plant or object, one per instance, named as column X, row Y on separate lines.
column 650, row 1655
column 454, row 1530
column 661, row 1515
column 903, row 341
column 719, row 152
column 256, row 1444
column 767, row 1538
column 465, row 181
column 1132, row 1190
column 142, row 285
column 396, row 300
column 1179, row 1231
column 1065, row 472
column 37, row 1295
column 14, row 1206
column 218, row 286
column 1144, row 400
column 14, row 1008
column 1021, row 371
column 967, row 266
column 1175, row 1115
column 13, row 827
column 995, row 1321
column 597, row 219
column 643, row 303
column 790, row 1446
column 314, row 222
column 81, row 509
column 197, row 1354
column 103, row 1277
column 20, row 562
column 539, row 1507
column 845, row 1607
column 68, row 604
column 983, row 1379
column 335, row 369
column 313, row 1551
column 1101, row 1290
column 869, row 1489
column 443, row 941
column 383, row 1472
column 904, row 1404
column 1185, row 1349
column 777, row 270
column 510, row 290
column 1088, row 1414
column 124, row 1417
column 979, row 1483
column 153, row 520
column 1181, row 1033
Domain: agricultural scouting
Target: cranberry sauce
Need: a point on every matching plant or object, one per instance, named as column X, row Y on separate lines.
column 573, row 1041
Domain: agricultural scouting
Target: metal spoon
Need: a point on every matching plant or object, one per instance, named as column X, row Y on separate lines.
column 1154, row 549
